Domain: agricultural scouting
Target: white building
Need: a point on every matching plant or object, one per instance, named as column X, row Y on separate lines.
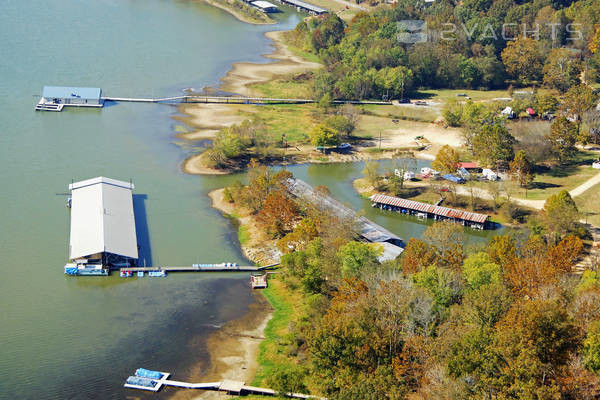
column 103, row 231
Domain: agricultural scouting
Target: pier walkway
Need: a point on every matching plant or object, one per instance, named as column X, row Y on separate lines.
column 216, row 268
column 234, row 100
column 230, row 387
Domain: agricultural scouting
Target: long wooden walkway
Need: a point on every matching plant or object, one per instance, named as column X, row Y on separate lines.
column 234, row 100
column 228, row 386
column 215, row 268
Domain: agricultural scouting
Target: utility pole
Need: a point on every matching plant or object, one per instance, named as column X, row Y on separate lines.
column 380, row 139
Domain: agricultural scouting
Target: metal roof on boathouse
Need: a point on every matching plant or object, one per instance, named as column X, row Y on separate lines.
column 64, row 92
column 429, row 208
column 102, row 218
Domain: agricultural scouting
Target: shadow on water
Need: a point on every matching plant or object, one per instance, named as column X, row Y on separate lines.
column 141, row 228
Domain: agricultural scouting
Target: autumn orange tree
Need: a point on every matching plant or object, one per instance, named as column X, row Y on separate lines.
column 417, row 255
column 278, row 213
column 539, row 264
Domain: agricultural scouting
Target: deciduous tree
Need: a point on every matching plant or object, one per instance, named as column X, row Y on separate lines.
column 417, row 255
column 479, row 270
column 278, row 213
column 356, row 256
column 372, row 174
column 324, row 136
column 560, row 214
column 493, row 144
column 522, row 59
column 563, row 137
column 562, row 69
column 521, row 169
column 446, row 160
column 447, row 238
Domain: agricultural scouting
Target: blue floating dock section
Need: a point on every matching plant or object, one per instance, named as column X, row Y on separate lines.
column 146, row 379
column 146, row 373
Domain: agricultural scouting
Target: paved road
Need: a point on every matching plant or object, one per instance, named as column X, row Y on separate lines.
column 537, row 204
column 594, row 180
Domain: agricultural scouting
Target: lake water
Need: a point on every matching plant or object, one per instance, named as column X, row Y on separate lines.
column 79, row 338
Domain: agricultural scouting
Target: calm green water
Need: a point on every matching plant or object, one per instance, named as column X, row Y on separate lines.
column 78, row 338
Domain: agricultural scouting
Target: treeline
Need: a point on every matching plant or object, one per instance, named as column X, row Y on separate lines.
column 507, row 319
column 555, row 44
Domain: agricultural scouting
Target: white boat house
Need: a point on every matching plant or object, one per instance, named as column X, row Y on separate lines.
column 55, row 98
column 103, row 234
column 264, row 6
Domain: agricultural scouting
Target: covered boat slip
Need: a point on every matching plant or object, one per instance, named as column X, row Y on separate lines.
column 473, row 220
column 102, row 224
column 368, row 230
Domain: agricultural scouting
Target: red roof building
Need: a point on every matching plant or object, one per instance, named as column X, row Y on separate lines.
column 468, row 165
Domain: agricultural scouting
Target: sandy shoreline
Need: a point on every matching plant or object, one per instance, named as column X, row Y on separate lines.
column 207, row 119
column 233, row 349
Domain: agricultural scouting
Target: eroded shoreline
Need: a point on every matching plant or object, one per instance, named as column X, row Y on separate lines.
column 207, row 119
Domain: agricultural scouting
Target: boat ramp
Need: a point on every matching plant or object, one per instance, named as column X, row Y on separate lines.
column 154, row 380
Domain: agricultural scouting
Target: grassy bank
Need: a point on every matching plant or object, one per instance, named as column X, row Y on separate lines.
column 272, row 350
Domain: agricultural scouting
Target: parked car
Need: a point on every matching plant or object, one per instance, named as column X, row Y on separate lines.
column 463, row 173
column 489, row 174
column 344, row 146
column 454, row 178
column 547, row 116
column 408, row 175
column 508, row 113
column 596, row 165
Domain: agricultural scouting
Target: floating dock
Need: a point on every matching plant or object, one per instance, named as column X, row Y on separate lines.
column 258, row 280
column 424, row 210
column 55, row 98
column 153, row 381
